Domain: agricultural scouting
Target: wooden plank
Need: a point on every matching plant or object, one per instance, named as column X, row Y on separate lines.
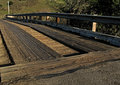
column 60, row 66
column 77, row 42
column 28, row 48
column 54, row 45
column 11, row 46
column 4, row 57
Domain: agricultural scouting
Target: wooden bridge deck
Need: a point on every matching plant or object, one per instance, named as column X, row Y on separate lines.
column 28, row 43
column 54, row 45
column 24, row 47
column 74, row 41
column 38, row 42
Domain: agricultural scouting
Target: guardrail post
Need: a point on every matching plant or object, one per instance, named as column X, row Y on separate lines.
column 68, row 22
column 17, row 17
column 23, row 18
column 20, row 17
column 34, row 18
column 26, row 18
column 94, row 25
column 57, row 19
column 40, row 18
column 29, row 17
column 47, row 18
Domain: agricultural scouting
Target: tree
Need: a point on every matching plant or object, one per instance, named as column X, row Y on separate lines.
column 116, row 7
column 104, row 7
column 0, row 5
column 70, row 6
column 99, row 7
column 10, row 3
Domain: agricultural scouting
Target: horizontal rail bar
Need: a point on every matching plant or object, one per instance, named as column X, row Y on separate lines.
column 91, row 18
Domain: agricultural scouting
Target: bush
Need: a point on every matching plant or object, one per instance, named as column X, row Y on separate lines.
column 10, row 3
column 0, row 5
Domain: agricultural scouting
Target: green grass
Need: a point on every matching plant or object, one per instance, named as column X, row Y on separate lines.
column 25, row 7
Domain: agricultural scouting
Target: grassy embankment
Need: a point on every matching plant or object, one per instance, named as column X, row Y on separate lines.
column 25, row 6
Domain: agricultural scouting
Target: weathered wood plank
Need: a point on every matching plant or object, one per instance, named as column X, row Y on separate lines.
column 28, row 48
column 59, row 66
column 11, row 46
column 77, row 42
column 4, row 57
column 54, row 45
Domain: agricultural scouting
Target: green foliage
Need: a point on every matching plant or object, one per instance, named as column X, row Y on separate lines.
column 11, row 3
column 104, row 7
column 70, row 6
column 0, row 6
column 99, row 7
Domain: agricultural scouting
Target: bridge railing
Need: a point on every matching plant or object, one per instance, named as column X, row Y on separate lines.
column 91, row 18
column 44, row 18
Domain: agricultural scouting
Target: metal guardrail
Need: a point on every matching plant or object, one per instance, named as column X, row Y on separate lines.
column 38, row 17
column 92, row 18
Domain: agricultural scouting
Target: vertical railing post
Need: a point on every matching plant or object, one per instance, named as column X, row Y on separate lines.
column 47, row 18
column 23, row 18
column 68, row 22
column 57, row 20
column 94, row 25
column 18, row 17
column 29, row 18
column 32, row 17
column 15, row 17
column 39, row 17
column 26, row 18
